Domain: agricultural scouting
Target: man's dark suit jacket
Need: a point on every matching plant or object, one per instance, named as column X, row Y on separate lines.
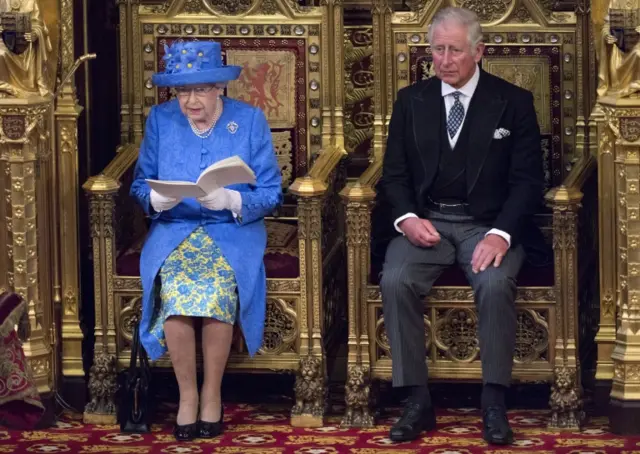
column 504, row 176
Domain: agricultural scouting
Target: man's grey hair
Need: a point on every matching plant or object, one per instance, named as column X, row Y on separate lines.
column 460, row 16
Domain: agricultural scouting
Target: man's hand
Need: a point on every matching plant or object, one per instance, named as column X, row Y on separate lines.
column 491, row 249
column 420, row 232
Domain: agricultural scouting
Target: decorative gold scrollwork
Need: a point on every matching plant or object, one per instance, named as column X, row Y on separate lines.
column 488, row 11
column 130, row 316
column 457, row 334
column 283, row 148
column 532, row 336
column 230, row 7
column 280, row 328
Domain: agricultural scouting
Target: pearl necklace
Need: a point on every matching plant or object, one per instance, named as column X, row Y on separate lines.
column 204, row 133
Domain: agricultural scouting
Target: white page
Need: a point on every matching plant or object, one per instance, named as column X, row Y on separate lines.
column 176, row 189
column 223, row 173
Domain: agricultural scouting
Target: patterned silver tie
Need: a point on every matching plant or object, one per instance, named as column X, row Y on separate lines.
column 456, row 114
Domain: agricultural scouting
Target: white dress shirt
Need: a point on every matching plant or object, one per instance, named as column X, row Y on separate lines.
column 466, row 93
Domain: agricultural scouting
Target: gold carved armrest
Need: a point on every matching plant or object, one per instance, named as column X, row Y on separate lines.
column 108, row 181
column 315, row 183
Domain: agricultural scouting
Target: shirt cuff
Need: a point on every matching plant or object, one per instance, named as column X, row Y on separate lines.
column 500, row 233
column 235, row 202
column 402, row 218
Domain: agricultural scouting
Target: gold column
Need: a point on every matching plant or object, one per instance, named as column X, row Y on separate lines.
column 621, row 137
column 23, row 143
column 102, row 378
column 66, row 114
column 607, row 201
column 382, row 75
column 338, row 71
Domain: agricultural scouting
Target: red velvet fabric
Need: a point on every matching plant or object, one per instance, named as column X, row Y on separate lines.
column 281, row 257
column 20, row 405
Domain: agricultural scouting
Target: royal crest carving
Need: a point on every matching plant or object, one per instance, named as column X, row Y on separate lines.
column 280, row 329
column 457, row 334
column 630, row 128
column 532, row 336
column 488, row 11
column 230, row 7
column 130, row 317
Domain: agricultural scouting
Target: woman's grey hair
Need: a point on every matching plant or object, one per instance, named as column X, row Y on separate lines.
column 461, row 16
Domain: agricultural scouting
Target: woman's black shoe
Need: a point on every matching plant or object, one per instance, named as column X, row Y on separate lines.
column 211, row 429
column 187, row 432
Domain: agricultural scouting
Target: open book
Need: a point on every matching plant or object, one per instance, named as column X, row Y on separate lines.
column 223, row 173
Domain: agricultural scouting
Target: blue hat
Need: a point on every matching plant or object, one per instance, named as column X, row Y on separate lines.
column 194, row 62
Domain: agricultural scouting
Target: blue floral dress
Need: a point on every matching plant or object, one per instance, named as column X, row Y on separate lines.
column 195, row 281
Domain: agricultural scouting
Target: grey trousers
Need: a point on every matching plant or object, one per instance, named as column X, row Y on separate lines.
column 407, row 277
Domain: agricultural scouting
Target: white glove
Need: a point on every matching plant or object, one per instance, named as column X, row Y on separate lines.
column 222, row 199
column 161, row 202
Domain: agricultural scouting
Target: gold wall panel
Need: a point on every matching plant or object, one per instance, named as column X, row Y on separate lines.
column 530, row 73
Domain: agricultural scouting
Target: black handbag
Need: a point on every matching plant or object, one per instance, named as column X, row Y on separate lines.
column 134, row 406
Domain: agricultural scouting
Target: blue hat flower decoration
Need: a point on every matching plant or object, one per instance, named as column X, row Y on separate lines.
column 194, row 62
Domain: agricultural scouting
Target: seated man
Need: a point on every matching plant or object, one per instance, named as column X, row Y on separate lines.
column 462, row 175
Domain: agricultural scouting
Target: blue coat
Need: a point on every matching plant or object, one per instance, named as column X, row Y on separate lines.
column 171, row 151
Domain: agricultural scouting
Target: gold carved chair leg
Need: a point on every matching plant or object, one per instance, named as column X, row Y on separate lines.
column 101, row 408
column 566, row 390
column 358, row 385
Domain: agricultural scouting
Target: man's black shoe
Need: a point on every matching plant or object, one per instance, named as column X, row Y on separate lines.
column 416, row 418
column 496, row 426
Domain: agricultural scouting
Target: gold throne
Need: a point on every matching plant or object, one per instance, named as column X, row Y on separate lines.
column 535, row 48
column 292, row 67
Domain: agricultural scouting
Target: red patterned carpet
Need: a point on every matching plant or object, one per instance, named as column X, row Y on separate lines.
column 265, row 430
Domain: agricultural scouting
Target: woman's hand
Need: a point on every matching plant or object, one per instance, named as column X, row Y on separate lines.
column 222, row 199
column 160, row 202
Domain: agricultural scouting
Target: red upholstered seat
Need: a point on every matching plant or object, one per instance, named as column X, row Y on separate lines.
column 281, row 257
column 529, row 276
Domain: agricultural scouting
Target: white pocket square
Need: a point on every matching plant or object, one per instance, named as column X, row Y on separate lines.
column 501, row 133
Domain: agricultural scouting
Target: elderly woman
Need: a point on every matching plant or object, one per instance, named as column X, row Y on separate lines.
column 203, row 258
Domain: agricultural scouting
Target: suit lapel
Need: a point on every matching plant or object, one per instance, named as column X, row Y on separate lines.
column 485, row 112
column 426, row 106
